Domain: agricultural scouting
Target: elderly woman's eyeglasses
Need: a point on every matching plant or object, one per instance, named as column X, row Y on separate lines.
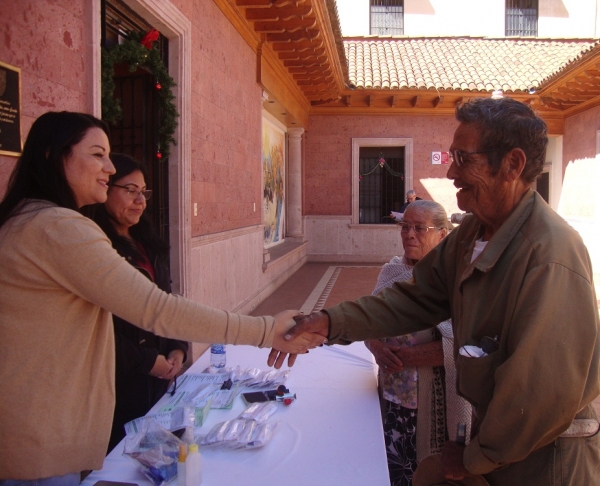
column 458, row 157
column 134, row 193
column 420, row 229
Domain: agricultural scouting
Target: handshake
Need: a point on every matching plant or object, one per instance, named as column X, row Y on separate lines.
column 295, row 334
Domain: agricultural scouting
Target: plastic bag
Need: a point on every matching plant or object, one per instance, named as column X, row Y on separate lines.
column 255, row 378
column 248, row 431
column 156, row 450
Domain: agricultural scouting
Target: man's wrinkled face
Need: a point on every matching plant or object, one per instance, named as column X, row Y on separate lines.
column 480, row 192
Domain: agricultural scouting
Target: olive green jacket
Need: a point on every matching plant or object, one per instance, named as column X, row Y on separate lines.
column 531, row 288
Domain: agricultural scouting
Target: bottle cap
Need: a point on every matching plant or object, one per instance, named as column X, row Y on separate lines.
column 182, row 453
column 193, row 448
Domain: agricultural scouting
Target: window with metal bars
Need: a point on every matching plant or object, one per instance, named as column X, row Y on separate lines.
column 387, row 17
column 522, row 18
column 136, row 133
column 381, row 185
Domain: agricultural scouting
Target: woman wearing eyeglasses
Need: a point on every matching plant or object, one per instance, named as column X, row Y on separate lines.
column 418, row 416
column 60, row 281
column 145, row 363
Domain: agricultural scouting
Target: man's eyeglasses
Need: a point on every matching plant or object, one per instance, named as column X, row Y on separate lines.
column 420, row 229
column 134, row 193
column 458, row 157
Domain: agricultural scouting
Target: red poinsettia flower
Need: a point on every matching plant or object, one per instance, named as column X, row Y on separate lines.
column 149, row 38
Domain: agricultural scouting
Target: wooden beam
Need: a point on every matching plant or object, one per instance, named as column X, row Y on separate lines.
column 273, row 13
column 304, row 34
column 348, row 100
column 298, row 46
column 394, row 101
column 317, row 61
column 268, row 3
column 438, row 101
column 290, row 26
column 416, row 101
column 371, row 100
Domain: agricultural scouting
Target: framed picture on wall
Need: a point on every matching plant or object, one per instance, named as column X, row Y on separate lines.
column 10, row 110
column 273, row 170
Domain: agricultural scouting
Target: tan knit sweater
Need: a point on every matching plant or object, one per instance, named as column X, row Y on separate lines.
column 59, row 281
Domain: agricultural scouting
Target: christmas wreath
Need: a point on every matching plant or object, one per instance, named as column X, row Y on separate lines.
column 139, row 51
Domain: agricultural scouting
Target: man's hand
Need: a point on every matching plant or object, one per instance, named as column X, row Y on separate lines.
column 452, row 461
column 293, row 343
column 316, row 322
column 385, row 355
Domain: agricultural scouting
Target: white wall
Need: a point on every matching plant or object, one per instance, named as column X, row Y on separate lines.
column 557, row 18
column 568, row 18
column 354, row 17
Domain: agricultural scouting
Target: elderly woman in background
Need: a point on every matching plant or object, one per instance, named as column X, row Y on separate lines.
column 418, row 414
column 145, row 362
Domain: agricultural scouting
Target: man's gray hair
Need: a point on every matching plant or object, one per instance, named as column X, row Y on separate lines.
column 434, row 210
column 506, row 124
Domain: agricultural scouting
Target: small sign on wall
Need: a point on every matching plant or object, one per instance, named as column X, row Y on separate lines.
column 10, row 110
column 438, row 158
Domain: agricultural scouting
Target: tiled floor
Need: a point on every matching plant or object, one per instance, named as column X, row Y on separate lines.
column 356, row 281
column 318, row 285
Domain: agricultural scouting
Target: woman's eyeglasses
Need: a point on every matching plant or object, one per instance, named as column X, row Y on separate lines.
column 134, row 193
column 420, row 229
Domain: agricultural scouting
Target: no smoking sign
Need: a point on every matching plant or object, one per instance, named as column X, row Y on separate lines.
column 439, row 158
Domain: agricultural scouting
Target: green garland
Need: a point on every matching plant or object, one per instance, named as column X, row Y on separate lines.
column 382, row 163
column 135, row 54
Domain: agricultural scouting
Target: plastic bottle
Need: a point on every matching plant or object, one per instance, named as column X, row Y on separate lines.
column 181, row 465
column 218, row 356
column 193, row 466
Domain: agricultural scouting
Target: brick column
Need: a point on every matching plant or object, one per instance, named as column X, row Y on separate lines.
column 295, row 224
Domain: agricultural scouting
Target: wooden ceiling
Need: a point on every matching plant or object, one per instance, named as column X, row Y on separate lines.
column 300, row 33
column 574, row 89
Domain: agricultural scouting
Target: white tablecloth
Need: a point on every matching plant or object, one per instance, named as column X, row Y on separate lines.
column 331, row 435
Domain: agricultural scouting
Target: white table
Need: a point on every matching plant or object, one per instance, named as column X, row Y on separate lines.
column 331, row 435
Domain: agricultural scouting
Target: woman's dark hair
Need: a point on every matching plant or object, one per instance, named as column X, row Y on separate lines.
column 39, row 172
column 506, row 124
column 142, row 232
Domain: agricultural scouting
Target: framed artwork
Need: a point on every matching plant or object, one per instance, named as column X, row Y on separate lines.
column 273, row 168
column 10, row 110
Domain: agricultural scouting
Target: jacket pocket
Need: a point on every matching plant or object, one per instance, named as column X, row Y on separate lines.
column 475, row 377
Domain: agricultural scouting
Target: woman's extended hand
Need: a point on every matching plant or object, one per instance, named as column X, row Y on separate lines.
column 385, row 355
column 299, row 343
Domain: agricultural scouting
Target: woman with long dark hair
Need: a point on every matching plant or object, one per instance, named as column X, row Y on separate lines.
column 145, row 362
column 60, row 280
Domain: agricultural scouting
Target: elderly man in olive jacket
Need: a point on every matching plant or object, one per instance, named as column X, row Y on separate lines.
column 516, row 280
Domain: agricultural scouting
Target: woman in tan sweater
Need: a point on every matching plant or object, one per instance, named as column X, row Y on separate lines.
column 60, row 280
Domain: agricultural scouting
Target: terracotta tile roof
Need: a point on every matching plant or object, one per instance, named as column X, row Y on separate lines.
column 468, row 63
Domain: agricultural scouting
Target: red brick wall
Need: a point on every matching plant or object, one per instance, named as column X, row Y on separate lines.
column 328, row 160
column 226, row 123
column 579, row 141
column 46, row 40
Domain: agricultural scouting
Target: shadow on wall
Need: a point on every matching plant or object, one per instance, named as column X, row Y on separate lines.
column 553, row 8
column 422, row 7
